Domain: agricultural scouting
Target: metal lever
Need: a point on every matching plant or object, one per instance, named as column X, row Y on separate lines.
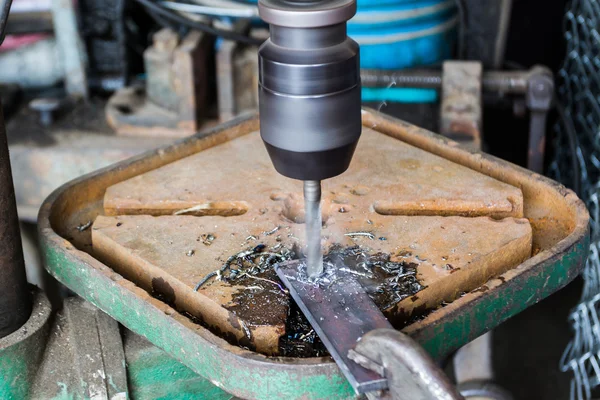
column 540, row 92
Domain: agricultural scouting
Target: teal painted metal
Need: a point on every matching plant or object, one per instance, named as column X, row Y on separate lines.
column 250, row 375
column 21, row 352
column 153, row 375
column 210, row 361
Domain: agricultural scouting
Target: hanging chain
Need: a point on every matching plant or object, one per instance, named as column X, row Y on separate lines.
column 577, row 144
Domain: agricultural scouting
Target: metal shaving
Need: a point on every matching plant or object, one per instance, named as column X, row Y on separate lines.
column 249, row 263
column 269, row 233
column 395, row 280
column 207, row 239
column 359, row 234
column 84, row 227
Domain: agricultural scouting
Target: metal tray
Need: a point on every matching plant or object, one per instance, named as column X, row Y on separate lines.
column 561, row 238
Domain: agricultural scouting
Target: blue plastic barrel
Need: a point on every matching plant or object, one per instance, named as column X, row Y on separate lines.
column 396, row 34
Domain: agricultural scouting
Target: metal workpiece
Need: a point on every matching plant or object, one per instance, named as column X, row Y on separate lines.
column 341, row 313
column 309, row 88
column 15, row 298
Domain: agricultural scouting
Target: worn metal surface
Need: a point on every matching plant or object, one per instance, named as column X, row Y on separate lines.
column 15, row 298
column 559, row 219
column 386, row 178
column 452, row 255
column 173, row 102
column 166, row 257
column 21, row 352
column 461, row 113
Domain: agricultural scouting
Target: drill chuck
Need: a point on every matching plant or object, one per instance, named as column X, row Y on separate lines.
column 309, row 87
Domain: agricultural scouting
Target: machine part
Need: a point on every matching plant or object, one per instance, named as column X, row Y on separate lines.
column 312, row 204
column 540, row 93
column 46, row 108
column 36, row 65
column 461, row 109
column 473, row 369
column 237, row 76
column 484, row 31
column 22, row 352
column 15, row 298
column 502, row 82
column 37, row 21
column 173, row 103
column 562, row 242
column 80, row 353
column 106, row 41
column 4, row 11
column 483, row 391
column 341, row 312
column 84, row 352
column 536, row 84
column 71, row 48
column 473, row 362
column 409, row 370
column 309, row 87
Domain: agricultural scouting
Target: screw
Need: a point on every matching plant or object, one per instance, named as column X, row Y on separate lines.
column 46, row 108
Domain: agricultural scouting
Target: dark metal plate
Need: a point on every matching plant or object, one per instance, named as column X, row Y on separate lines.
column 340, row 312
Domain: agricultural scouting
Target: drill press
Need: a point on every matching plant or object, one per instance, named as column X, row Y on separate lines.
column 309, row 95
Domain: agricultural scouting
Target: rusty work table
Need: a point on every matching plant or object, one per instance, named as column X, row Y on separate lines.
column 557, row 225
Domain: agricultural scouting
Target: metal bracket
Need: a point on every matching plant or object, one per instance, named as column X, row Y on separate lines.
column 538, row 98
column 461, row 111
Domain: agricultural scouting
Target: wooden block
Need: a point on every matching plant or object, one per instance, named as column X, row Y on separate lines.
column 387, row 176
column 166, row 255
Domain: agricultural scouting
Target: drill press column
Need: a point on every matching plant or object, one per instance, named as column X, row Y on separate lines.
column 309, row 95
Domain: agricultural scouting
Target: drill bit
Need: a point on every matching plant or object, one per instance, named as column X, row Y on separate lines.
column 312, row 204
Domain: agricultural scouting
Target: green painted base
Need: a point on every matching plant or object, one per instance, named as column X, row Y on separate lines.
column 21, row 352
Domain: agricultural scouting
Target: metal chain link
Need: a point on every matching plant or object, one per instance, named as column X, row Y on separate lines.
column 579, row 94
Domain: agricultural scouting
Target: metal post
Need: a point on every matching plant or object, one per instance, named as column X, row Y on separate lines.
column 15, row 298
